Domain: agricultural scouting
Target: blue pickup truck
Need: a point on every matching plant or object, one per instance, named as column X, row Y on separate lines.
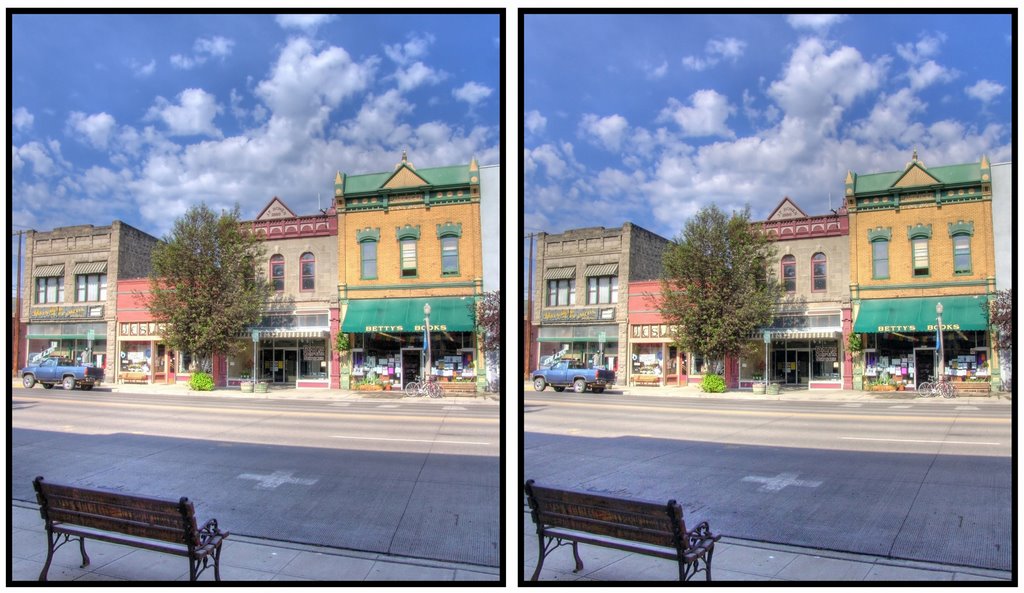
column 51, row 371
column 571, row 373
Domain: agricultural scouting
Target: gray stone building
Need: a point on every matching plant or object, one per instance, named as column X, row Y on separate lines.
column 70, row 295
column 580, row 275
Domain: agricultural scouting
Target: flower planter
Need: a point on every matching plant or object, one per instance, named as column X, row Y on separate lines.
column 368, row 387
column 246, row 386
column 261, row 387
column 758, row 388
column 773, row 389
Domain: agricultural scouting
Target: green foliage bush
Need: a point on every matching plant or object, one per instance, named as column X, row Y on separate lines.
column 201, row 382
column 713, row 384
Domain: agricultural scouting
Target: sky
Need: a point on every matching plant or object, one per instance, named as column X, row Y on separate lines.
column 649, row 118
column 138, row 117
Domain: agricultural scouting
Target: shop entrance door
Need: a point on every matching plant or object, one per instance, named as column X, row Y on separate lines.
column 412, row 364
column 924, row 364
column 279, row 365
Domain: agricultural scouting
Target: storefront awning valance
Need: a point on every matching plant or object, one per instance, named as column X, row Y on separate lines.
column 406, row 315
column 965, row 313
column 49, row 271
column 281, row 334
column 602, row 270
column 99, row 267
column 560, row 273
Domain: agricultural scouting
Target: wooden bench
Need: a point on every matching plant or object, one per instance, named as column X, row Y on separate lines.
column 646, row 380
column 972, row 387
column 648, row 528
column 134, row 377
column 147, row 523
column 459, row 387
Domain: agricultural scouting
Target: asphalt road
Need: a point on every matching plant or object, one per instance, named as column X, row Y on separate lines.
column 920, row 480
column 412, row 479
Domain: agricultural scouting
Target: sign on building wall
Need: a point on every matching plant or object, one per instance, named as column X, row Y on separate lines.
column 578, row 315
column 141, row 328
column 652, row 331
column 72, row 312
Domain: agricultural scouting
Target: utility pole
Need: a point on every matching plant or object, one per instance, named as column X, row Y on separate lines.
column 529, row 313
column 17, row 314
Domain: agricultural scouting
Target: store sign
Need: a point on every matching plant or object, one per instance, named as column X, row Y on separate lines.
column 401, row 328
column 913, row 328
column 313, row 353
column 578, row 315
column 826, row 353
column 73, row 312
column 652, row 331
column 141, row 328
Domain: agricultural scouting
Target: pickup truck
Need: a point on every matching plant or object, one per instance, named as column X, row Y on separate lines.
column 51, row 371
column 570, row 373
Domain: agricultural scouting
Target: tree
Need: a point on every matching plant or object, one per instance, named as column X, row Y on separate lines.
column 487, row 314
column 205, row 285
column 718, row 284
column 1000, row 311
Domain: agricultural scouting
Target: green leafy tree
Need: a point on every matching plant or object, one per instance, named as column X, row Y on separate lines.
column 1000, row 310
column 718, row 283
column 205, row 285
column 488, row 320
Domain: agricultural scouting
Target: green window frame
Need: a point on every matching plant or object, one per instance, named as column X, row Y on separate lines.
column 602, row 290
column 450, row 256
column 407, row 257
column 962, row 254
column 919, row 257
column 880, row 259
column 91, row 288
column 561, row 293
column 49, row 290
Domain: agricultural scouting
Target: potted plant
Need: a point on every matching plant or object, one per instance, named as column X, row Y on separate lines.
column 245, row 386
column 758, row 388
column 261, row 387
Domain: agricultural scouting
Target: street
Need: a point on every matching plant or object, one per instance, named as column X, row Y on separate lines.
column 910, row 479
column 418, row 479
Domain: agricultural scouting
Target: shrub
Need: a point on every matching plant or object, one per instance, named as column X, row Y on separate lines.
column 713, row 384
column 201, row 382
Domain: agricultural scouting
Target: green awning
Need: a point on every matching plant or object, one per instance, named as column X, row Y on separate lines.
column 406, row 315
column 963, row 313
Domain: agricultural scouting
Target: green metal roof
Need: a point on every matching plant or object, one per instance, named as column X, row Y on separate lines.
column 948, row 174
column 436, row 176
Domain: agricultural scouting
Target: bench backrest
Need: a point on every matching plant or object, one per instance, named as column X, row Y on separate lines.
column 660, row 524
column 139, row 516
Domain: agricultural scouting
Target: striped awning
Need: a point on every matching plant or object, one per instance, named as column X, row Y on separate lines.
column 267, row 334
column 560, row 273
column 49, row 271
column 602, row 270
column 805, row 335
column 99, row 267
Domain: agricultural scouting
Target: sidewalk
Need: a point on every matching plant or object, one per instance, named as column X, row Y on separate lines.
column 742, row 560
column 242, row 559
column 293, row 393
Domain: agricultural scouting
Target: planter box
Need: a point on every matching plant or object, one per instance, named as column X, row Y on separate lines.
column 261, row 387
column 758, row 388
column 246, row 386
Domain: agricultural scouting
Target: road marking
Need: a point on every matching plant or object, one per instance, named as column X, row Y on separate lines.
column 899, row 407
column 410, row 440
column 269, row 482
column 966, row 408
column 388, row 406
column 851, row 405
column 341, row 404
column 917, row 441
column 453, row 408
column 777, row 483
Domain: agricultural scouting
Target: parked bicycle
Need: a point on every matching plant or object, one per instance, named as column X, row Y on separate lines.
column 421, row 388
column 933, row 388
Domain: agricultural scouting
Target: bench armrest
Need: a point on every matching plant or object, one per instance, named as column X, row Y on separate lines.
column 210, row 533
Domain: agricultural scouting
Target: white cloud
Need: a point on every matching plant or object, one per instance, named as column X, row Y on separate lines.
column 183, row 62
column 204, row 48
column 22, row 119
column 926, row 47
column 472, row 93
column 728, row 48
column 35, row 154
column 140, row 70
column 705, row 116
column 535, row 122
column 655, row 72
column 95, row 129
column 308, row 23
column 377, row 121
column 697, row 64
column 985, row 90
column 607, row 131
column 414, row 49
column 930, row 73
column 819, row 23
column 192, row 115
column 890, row 120
column 417, row 74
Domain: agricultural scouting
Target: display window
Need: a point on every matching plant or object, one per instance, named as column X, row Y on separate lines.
column 136, row 357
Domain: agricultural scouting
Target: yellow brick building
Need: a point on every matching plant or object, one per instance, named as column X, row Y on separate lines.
column 408, row 238
column 920, row 237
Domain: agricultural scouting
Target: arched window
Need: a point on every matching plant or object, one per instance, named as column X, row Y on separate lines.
column 307, row 271
column 277, row 272
column 819, row 272
column 789, row 273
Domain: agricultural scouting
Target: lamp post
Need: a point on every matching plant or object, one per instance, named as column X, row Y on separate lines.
column 938, row 338
column 426, row 340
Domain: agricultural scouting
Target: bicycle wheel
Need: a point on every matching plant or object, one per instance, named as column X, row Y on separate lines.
column 924, row 389
column 412, row 389
column 434, row 389
column 946, row 389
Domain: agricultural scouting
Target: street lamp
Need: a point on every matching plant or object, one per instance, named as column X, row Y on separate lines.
column 426, row 340
column 938, row 339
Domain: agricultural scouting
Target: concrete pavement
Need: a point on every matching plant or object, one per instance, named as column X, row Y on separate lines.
column 290, row 393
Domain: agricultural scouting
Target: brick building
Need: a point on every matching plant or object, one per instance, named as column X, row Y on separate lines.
column 71, row 287
column 922, row 236
column 577, row 308
column 408, row 238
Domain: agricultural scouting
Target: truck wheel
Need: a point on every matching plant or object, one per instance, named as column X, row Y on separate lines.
column 579, row 385
column 559, row 389
column 539, row 384
column 69, row 383
column 28, row 381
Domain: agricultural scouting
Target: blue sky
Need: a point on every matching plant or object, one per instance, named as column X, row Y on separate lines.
column 649, row 118
column 139, row 117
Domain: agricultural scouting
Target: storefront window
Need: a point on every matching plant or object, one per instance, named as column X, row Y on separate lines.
column 314, row 359
column 136, row 357
column 589, row 353
column 752, row 362
column 647, row 360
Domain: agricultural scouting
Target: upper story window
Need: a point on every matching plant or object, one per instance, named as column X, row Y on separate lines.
column 408, row 251
column 277, row 272
column 789, row 273
column 50, row 290
column 307, row 272
column 450, row 256
column 561, row 293
column 819, row 272
column 368, row 260
column 91, row 287
column 920, row 255
column 962, row 254
column 602, row 290
column 880, row 259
